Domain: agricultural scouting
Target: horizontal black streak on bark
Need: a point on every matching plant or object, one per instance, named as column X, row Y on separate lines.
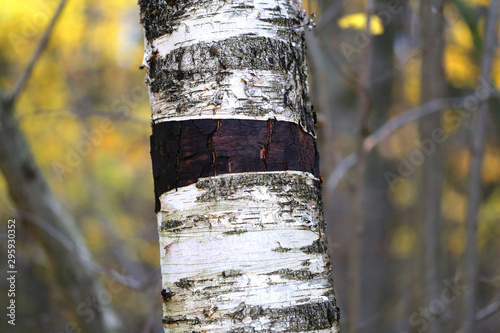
column 305, row 317
column 219, row 57
column 184, row 151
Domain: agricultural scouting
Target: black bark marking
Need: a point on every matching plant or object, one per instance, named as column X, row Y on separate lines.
column 318, row 246
column 162, row 17
column 167, row 294
column 282, row 249
column 236, row 232
column 171, row 320
column 301, row 274
column 184, row 151
column 171, row 224
column 184, row 283
column 231, row 273
column 305, row 317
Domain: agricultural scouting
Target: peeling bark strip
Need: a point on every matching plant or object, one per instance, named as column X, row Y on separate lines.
column 182, row 152
column 249, row 64
column 246, row 253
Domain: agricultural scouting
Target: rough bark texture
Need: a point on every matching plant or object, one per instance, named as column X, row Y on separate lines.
column 236, row 173
column 226, row 59
column 257, row 255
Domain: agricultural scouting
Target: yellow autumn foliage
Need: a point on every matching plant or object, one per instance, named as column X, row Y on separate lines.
column 91, row 64
column 359, row 21
column 402, row 242
column 460, row 161
column 456, row 239
column 460, row 70
column 491, row 165
column 453, row 205
column 459, row 35
column 482, row 3
column 404, row 193
column 411, row 86
column 489, row 218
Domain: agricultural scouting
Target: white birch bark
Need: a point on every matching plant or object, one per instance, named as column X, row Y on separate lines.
column 241, row 252
column 246, row 251
column 225, row 27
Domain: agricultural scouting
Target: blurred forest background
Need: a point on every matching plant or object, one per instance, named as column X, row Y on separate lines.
column 407, row 102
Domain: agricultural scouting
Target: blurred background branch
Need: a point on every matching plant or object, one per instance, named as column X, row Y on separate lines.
column 478, row 142
column 42, row 44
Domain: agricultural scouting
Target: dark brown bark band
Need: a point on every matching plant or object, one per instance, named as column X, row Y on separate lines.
column 184, row 151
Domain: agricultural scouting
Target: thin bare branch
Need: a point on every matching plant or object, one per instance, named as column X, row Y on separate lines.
column 36, row 55
column 408, row 116
column 477, row 152
column 340, row 170
column 390, row 127
column 70, row 246
column 491, row 282
column 488, row 311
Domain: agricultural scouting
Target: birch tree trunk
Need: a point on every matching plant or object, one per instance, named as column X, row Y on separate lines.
column 235, row 165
